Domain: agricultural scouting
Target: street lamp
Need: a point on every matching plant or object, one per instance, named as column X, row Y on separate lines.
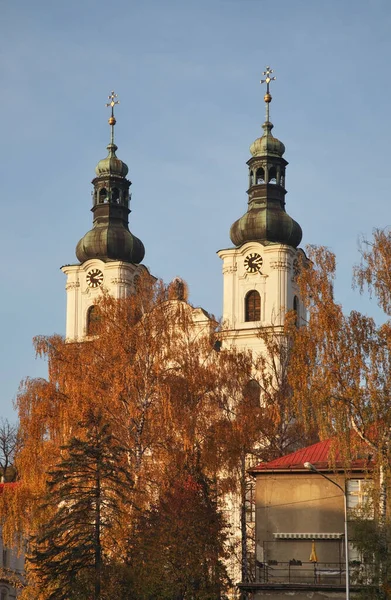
column 313, row 469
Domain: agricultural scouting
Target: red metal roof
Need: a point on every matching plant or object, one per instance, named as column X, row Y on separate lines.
column 323, row 455
column 9, row 486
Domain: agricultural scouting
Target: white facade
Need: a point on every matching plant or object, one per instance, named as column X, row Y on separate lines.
column 11, row 572
column 274, row 280
column 85, row 284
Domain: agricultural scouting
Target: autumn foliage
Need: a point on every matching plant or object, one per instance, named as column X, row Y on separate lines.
column 173, row 403
column 340, row 370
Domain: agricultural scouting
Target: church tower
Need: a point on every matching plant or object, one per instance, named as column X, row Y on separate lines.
column 109, row 254
column 260, row 271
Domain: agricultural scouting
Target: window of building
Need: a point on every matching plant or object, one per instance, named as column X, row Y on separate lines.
column 115, row 195
column 252, row 393
column 272, row 175
column 93, row 318
column 359, row 496
column 5, row 558
column 3, row 594
column 102, row 196
column 253, row 306
column 296, row 308
column 260, row 176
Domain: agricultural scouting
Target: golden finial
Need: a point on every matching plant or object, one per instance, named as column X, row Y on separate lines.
column 112, row 120
column 267, row 97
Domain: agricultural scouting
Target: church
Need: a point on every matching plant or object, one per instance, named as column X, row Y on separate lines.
column 259, row 269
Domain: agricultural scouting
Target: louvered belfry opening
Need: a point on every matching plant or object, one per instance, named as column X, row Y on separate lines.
column 93, row 318
column 253, row 306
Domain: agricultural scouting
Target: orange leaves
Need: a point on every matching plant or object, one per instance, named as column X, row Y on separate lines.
column 153, row 373
column 340, row 369
column 374, row 271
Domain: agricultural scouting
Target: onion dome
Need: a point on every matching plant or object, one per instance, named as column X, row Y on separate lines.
column 266, row 224
column 110, row 242
column 266, row 220
column 267, row 145
column 111, row 165
column 110, row 238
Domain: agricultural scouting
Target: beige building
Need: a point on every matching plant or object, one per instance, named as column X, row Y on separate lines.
column 300, row 544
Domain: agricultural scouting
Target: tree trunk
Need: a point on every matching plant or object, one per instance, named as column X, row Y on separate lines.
column 382, row 524
column 98, row 548
column 243, row 525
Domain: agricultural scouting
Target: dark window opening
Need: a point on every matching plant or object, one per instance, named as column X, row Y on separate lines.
column 5, row 558
column 252, row 393
column 296, row 308
column 253, row 306
column 115, row 195
column 102, row 196
column 272, row 175
column 93, row 318
column 260, row 176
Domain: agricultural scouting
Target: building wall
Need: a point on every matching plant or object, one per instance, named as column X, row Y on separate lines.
column 298, row 503
column 305, row 505
column 11, row 568
column 275, row 282
column 118, row 281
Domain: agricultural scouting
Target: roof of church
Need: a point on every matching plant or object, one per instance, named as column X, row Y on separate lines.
column 324, row 456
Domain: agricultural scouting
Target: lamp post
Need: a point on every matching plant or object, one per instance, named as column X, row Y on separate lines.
column 313, row 469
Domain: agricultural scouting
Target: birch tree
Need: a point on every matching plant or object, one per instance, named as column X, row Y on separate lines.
column 340, row 369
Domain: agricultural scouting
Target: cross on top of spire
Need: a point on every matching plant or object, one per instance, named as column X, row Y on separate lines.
column 267, row 97
column 268, row 79
column 112, row 102
column 112, row 120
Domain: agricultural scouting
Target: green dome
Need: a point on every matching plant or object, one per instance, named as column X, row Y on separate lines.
column 111, row 165
column 110, row 242
column 266, row 224
column 267, row 145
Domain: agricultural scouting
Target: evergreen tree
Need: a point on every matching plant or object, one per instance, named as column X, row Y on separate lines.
column 88, row 492
column 153, row 372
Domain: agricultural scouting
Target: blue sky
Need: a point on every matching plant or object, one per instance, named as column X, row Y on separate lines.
column 187, row 75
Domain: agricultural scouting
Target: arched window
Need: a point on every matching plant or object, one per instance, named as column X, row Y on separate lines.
column 252, row 393
column 115, row 195
column 272, row 175
column 252, row 306
column 296, row 308
column 260, row 176
column 102, row 196
column 93, row 318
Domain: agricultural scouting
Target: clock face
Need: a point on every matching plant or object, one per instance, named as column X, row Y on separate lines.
column 94, row 278
column 253, row 262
